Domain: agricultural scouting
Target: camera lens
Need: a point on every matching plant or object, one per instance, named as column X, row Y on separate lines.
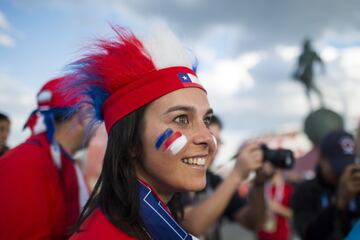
column 281, row 158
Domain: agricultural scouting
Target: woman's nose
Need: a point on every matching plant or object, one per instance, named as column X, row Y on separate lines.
column 203, row 136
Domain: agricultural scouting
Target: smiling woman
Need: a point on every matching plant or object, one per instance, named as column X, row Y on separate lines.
column 156, row 114
column 191, row 140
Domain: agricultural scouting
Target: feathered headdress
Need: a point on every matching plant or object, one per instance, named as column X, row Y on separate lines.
column 50, row 101
column 124, row 74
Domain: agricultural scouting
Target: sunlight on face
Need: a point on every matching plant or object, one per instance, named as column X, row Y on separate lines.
column 216, row 132
column 169, row 166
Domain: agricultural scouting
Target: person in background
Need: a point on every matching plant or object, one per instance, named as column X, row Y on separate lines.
column 4, row 133
column 355, row 231
column 42, row 188
column 279, row 214
column 220, row 199
column 327, row 206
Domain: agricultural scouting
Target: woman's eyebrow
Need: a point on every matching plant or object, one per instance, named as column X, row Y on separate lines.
column 186, row 109
column 180, row 108
column 210, row 111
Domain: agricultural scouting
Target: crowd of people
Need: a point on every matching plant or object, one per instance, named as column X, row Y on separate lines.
column 155, row 181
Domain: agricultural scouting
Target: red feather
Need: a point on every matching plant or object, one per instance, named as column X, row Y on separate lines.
column 119, row 61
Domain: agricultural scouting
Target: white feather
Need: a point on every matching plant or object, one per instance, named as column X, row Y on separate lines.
column 165, row 48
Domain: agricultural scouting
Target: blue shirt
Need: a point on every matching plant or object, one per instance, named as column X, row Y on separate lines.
column 355, row 232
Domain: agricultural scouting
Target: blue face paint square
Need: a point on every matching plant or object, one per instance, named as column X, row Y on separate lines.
column 167, row 133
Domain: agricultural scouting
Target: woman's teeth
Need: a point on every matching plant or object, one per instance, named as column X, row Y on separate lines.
column 194, row 161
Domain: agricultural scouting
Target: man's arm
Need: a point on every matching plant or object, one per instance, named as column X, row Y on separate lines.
column 252, row 215
column 198, row 218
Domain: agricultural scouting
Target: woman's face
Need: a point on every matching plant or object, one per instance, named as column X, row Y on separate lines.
column 177, row 142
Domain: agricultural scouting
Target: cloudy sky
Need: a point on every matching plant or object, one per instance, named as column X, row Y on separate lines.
column 247, row 51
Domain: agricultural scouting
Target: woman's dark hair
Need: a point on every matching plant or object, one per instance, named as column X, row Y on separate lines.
column 116, row 191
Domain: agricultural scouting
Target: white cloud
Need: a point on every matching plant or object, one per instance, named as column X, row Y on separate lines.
column 17, row 100
column 329, row 53
column 206, row 54
column 6, row 40
column 287, row 53
column 349, row 84
column 4, row 24
column 350, row 62
column 229, row 76
column 291, row 102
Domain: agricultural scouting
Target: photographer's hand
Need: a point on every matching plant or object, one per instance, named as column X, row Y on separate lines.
column 253, row 214
column 250, row 158
column 348, row 187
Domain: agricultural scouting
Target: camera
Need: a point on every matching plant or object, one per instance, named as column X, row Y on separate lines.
column 280, row 158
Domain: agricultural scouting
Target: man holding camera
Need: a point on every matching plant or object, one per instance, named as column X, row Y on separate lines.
column 326, row 207
column 220, row 199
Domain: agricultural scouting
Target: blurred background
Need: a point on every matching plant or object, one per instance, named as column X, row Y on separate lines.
column 247, row 51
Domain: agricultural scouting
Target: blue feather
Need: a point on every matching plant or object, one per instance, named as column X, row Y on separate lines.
column 89, row 87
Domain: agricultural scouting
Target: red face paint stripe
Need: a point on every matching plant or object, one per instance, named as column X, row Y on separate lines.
column 171, row 139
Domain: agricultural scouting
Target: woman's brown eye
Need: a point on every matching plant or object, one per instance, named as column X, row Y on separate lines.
column 182, row 119
column 207, row 121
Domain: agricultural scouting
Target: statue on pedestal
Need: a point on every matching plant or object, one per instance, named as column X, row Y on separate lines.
column 304, row 72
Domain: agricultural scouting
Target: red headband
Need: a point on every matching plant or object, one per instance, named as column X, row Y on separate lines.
column 146, row 89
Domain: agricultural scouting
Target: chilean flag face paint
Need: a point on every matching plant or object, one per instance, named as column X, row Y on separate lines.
column 172, row 141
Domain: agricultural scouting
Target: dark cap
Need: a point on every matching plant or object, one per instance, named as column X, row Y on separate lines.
column 339, row 149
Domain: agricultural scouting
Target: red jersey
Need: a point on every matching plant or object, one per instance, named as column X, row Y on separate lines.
column 280, row 229
column 97, row 226
column 38, row 200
